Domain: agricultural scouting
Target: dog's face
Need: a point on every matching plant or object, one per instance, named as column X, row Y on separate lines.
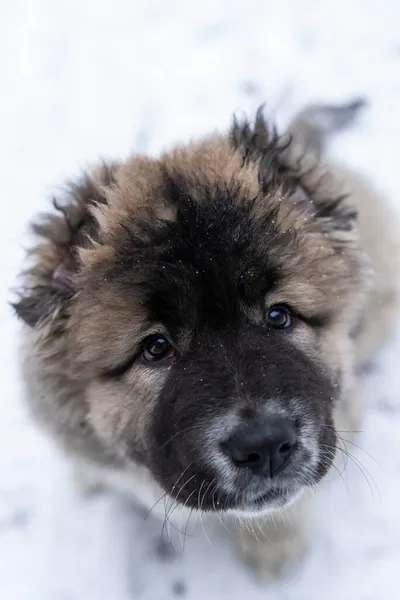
column 206, row 320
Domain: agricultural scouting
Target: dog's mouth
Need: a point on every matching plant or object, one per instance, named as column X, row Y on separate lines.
column 273, row 499
column 248, row 504
column 279, row 495
column 270, row 496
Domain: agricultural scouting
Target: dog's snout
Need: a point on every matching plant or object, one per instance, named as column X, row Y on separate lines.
column 264, row 446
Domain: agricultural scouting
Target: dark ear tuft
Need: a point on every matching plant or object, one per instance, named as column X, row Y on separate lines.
column 252, row 140
column 260, row 143
column 36, row 304
column 337, row 214
column 50, row 282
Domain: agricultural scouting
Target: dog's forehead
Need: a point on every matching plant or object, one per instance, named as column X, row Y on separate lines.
column 208, row 262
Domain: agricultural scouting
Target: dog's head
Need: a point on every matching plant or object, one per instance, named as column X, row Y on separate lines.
column 202, row 303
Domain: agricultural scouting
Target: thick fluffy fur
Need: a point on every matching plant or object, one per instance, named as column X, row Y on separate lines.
column 197, row 246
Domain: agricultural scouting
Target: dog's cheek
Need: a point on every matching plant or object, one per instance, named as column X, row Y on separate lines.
column 337, row 352
column 120, row 411
column 306, row 339
column 330, row 348
column 314, row 406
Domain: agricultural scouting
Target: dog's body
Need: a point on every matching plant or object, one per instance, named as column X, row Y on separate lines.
column 149, row 354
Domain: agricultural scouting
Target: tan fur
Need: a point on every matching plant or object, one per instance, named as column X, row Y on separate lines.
column 112, row 415
column 214, row 161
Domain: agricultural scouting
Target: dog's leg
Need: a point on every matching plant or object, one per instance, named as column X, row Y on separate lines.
column 275, row 544
column 87, row 482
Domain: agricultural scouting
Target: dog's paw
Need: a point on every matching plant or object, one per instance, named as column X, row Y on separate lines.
column 271, row 561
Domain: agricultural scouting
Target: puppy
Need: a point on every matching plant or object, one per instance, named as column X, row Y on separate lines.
column 194, row 323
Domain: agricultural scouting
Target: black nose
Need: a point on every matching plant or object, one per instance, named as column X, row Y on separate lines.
column 264, row 446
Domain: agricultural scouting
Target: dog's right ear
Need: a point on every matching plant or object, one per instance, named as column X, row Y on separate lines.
column 50, row 281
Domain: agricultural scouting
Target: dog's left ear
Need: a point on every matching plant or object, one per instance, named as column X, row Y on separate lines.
column 293, row 161
column 310, row 131
column 52, row 279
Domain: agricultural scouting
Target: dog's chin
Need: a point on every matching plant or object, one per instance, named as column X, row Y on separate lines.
column 252, row 507
column 268, row 502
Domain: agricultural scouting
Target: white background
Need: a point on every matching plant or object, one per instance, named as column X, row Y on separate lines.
column 79, row 79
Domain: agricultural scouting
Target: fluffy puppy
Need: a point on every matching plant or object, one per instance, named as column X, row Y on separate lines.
column 194, row 322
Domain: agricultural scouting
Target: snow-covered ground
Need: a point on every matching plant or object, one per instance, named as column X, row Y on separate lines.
column 82, row 78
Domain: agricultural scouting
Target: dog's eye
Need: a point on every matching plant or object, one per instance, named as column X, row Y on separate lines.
column 279, row 317
column 155, row 348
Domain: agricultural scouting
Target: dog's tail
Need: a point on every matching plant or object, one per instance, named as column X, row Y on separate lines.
column 312, row 127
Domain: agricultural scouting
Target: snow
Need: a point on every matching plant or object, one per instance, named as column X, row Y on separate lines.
column 83, row 79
